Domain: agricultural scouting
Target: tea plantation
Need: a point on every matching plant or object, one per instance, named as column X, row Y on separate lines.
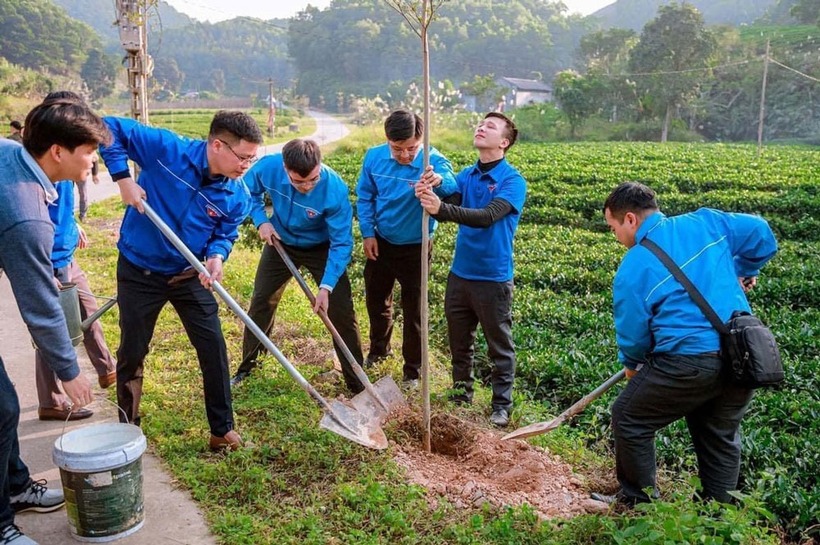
column 565, row 262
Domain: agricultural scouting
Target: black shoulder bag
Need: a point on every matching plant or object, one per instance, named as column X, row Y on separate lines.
column 748, row 347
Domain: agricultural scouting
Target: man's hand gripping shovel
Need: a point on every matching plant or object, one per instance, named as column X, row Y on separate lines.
column 377, row 400
column 342, row 419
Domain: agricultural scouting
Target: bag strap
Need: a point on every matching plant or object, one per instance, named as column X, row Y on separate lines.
column 693, row 291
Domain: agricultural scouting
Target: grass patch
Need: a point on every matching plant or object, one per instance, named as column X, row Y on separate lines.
column 300, row 484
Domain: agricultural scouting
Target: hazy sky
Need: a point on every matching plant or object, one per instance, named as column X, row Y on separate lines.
column 218, row 10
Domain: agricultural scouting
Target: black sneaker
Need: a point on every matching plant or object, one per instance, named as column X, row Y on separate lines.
column 239, row 377
column 604, row 498
column 37, row 497
column 618, row 498
column 500, row 418
column 11, row 535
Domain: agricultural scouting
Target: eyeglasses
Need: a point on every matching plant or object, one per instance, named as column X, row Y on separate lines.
column 399, row 151
column 304, row 183
column 247, row 160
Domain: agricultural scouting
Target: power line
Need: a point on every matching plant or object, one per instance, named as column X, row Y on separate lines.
column 685, row 71
column 794, row 70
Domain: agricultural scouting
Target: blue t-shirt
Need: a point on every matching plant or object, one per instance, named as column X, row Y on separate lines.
column 486, row 253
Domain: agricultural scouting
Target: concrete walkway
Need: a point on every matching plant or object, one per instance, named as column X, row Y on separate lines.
column 171, row 516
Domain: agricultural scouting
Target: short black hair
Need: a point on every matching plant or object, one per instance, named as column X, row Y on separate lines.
column 403, row 125
column 65, row 95
column 65, row 122
column 511, row 133
column 16, row 125
column 301, row 156
column 235, row 126
column 630, row 197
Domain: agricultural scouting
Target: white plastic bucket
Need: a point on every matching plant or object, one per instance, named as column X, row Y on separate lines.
column 101, row 471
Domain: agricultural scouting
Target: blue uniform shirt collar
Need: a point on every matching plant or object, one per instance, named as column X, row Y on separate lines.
column 48, row 186
column 648, row 224
column 199, row 158
column 495, row 174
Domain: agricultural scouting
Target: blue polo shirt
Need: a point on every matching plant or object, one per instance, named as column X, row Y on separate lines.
column 205, row 212
column 653, row 311
column 304, row 220
column 387, row 202
column 486, row 253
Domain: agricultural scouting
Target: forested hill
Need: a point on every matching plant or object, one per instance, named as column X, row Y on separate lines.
column 40, row 35
column 361, row 46
column 634, row 14
column 233, row 57
column 101, row 16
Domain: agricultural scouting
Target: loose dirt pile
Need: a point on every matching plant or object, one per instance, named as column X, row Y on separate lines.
column 470, row 466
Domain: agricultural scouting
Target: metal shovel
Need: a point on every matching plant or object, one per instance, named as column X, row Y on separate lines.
column 344, row 420
column 377, row 400
column 577, row 407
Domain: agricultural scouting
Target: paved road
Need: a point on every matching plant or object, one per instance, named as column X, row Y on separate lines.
column 171, row 516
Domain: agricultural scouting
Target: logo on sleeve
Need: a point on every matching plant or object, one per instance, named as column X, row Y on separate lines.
column 311, row 213
column 211, row 211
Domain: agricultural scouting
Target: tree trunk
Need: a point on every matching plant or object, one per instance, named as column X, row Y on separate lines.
column 666, row 120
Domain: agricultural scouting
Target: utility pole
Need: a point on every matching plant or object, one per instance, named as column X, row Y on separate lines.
column 134, row 38
column 763, row 100
column 271, row 108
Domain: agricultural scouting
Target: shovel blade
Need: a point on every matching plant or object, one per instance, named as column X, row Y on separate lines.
column 534, row 429
column 353, row 425
column 386, row 398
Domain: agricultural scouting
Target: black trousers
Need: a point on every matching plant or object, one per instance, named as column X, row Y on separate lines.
column 669, row 388
column 272, row 276
column 141, row 295
column 14, row 475
column 468, row 303
column 400, row 263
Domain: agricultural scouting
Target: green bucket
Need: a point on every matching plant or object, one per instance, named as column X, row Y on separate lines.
column 101, row 471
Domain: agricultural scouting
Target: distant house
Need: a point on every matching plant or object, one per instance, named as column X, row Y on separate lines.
column 514, row 92
column 524, row 91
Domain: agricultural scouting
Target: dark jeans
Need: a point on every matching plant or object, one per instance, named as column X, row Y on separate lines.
column 468, row 303
column 141, row 295
column 402, row 263
column 271, row 277
column 14, row 475
column 667, row 389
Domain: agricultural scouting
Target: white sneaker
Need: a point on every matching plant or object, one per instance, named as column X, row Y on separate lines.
column 11, row 535
column 36, row 497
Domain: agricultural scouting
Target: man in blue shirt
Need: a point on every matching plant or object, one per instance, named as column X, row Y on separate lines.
column 487, row 207
column 390, row 221
column 59, row 143
column 53, row 403
column 195, row 187
column 313, row 218
column 669, row 348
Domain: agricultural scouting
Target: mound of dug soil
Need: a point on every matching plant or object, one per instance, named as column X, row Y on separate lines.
column 471, row 466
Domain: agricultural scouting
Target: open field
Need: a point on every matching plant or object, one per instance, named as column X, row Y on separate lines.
column 299, row 484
